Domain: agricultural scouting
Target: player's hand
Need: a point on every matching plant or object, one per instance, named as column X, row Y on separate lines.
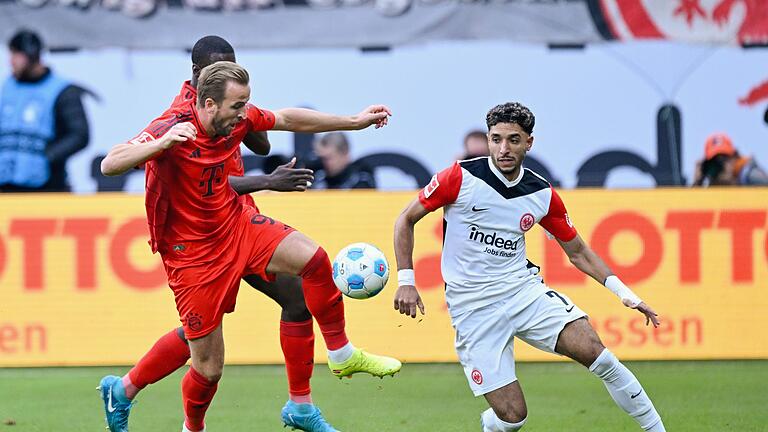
column 373, row 115
column 178, row 133
column 407, row 299
column 286, row 178
column 650, row 315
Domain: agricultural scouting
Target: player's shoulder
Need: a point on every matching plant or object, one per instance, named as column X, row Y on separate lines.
column 534, row 180
column 474, row 164
column 529, row 183
column 175, row 114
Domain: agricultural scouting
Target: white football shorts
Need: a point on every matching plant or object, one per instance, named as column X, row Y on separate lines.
column 484, row 337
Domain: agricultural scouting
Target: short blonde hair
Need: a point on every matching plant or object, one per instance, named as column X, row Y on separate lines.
column 214, row 79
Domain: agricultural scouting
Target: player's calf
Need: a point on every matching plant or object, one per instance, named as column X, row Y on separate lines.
column 626, row 391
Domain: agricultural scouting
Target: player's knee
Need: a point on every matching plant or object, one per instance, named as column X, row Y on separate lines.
column 211, row 372
column 512, row 412
column 295, row 313
column 514, row 417
column 316, row 261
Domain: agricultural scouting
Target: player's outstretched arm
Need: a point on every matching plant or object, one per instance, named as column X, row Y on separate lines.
column 407, row 298
column 285, row 178
column 586, row 260
column 126, row 156
column 307, row 120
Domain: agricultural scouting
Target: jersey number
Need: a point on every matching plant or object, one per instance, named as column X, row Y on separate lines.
column 553, row 294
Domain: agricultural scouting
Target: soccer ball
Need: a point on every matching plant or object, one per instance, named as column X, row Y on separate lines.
column 360, row 271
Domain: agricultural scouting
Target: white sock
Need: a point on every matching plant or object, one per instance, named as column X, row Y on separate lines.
column 492, row 423
column 342, row 354
column 184, row 428
column 626, row 391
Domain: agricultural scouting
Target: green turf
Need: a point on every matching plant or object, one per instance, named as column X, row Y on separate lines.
column 691, row 396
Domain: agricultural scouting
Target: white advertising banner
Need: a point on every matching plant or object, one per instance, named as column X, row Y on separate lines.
column 615, row 114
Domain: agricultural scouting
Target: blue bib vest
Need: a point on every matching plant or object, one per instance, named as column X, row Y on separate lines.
column 27, row 125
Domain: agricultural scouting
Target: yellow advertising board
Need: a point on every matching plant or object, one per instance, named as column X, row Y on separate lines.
column 79, row 286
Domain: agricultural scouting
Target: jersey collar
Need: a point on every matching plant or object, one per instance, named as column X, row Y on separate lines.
column 501, row 177
column 187, row 89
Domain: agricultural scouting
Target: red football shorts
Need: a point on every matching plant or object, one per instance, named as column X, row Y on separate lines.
column 206, row 288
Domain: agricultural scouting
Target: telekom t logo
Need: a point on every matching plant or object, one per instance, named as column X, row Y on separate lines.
column 214, row 173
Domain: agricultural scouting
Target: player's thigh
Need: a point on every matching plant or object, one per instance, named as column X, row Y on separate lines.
column 579, row 341
column 484, row 344
column 203, row 294
column 508, row 402
column 544, row 317
column 292, row 254
column 258, row 238
column 208, row 354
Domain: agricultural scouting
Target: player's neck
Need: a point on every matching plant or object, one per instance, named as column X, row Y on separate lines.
column 514, row 174
column 511, row 176
column 206, row 122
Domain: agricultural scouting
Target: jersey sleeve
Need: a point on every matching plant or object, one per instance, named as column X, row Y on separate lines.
column 260, row 119
column 443, row 189
column 557, row 222
column 157, row 128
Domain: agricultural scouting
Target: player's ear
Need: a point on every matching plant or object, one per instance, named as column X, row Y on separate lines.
column 529, row 143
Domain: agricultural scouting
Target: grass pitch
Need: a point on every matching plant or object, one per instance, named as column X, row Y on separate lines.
column 691, row 396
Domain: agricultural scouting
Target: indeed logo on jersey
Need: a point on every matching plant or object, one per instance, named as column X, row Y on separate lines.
column 508, row 248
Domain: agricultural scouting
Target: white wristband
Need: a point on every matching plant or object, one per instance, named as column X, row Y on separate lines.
column 406, row 277
column 626, row 295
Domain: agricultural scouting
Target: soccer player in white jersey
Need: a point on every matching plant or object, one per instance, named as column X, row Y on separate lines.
column 489, row 204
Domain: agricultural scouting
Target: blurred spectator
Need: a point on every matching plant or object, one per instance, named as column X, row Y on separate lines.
column 42, row 121
column 724, row 166
column 336, row 170
column 475, row 144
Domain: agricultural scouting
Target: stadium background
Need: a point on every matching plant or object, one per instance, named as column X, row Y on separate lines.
column 75, row 271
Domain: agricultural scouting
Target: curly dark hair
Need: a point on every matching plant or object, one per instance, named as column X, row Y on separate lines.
column 511, row 112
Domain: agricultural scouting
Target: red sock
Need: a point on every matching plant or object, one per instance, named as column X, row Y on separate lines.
column 197, row 393
column 298, row 342
column 168, row 354
column 324, row 300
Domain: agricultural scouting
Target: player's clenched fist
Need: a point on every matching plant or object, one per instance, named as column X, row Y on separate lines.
column 374, row 115
column 180, row 132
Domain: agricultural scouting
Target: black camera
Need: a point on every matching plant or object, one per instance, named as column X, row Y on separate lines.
column 711, row 168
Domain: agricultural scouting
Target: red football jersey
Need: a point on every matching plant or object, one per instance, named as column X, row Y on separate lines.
column 188, row 196
column 187, row 93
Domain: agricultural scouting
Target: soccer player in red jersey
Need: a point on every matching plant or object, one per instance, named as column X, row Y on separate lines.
column 489, row 204
column 171, row 351
column 208, row 239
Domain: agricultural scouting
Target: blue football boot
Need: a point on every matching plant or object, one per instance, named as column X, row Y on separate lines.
column 306, row 417
column 117, row 406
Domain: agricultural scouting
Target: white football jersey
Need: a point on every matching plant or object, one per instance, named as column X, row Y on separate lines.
column 484, row 224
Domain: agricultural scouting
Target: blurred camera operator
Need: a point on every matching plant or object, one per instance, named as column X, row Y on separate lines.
column 724, row 166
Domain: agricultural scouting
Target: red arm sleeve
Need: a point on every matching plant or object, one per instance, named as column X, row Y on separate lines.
column 155, row 130
column 443, row 189
column 557, row 222
column 261, row 119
